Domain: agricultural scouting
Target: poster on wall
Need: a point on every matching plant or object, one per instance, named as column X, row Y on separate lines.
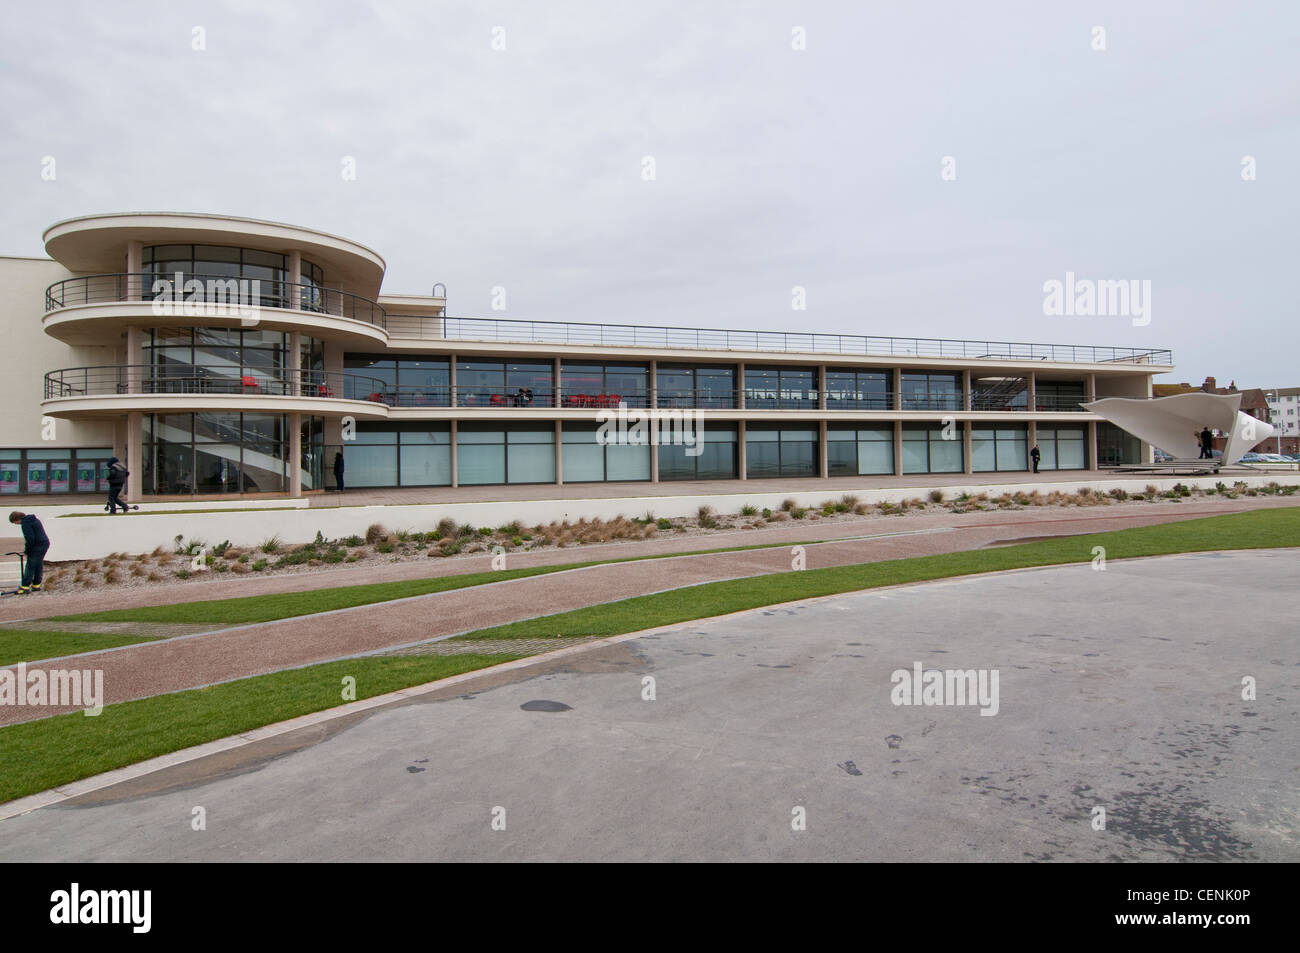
column 86, row 477
column 59, row 474
column 35, row 478
column 8, row 478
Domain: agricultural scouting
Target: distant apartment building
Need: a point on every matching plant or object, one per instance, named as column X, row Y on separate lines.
column 220, row 355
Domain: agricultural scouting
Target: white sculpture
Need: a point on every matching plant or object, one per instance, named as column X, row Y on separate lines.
column 1174, row 423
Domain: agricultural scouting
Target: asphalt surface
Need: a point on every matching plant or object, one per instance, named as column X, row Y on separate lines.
column 1118, row 690
column 196, row 660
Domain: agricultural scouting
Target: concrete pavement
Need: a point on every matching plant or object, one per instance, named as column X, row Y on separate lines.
column 1119, row 690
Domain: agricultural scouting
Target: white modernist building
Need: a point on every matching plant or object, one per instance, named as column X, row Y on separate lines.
column 224, row 356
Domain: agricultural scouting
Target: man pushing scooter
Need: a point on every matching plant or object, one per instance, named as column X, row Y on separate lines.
column 117, row 474
column 35, row 545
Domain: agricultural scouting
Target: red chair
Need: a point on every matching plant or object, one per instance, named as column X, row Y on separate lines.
column 498, row 400
column 249, row 382
column 376, row 397
column 323, row 390
column 615, row 399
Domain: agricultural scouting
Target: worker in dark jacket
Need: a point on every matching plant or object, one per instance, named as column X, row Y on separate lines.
column 338, row 470
column 1207, row 444
column 117, row 474
column 1035, row 455
column 36, row 543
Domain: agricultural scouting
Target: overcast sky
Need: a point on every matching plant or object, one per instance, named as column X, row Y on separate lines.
column 774, row 167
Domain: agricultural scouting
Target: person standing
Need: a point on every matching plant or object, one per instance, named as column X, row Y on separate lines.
column 117, row 474
column 338, row 470
column 1035, row 455
column 1207, row 444
column 35, row 545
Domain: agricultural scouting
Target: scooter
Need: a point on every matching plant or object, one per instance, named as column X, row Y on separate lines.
column 22, row 568
column 129, row 506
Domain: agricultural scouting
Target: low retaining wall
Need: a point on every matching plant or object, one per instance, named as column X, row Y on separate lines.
column 98, row 534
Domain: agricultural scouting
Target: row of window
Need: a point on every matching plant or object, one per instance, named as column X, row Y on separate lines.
column 67, row 470
column 386, row 455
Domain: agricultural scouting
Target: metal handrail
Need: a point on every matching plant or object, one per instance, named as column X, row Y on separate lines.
column 666, row 337
column 116, row 379
column 216, row 292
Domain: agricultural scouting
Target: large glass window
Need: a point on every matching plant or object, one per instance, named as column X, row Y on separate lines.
column 925, row 449
column 505, row 384
column 1000, row 447
column 588, row 461
column 1059, row 395
column 218, row 453
column 999, row 393
column 604, row 384
column 692, row 386
column 854, row 451
column 391, row 454
column 931, row 391
column 521, row 453
column 222, row 360
column 713, row 458
column 1116, row 446
column 786, row 388
column 1062, row 448
column 857, row 390
column 269, row 269
column 780, row 451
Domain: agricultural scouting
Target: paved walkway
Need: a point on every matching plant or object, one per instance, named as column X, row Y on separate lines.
column 1117, row 690
column 175, row 664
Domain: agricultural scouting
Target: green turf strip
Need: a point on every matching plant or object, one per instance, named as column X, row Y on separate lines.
column 41, row 754
column 24, row 646
column 38, row 755
column 1258, row 529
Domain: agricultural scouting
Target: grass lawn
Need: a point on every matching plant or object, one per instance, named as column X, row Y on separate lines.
column 39, row 754
column 23, row 646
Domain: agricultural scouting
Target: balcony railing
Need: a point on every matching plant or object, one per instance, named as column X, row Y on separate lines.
column 205, row 379
column 221, row 295
column 631, row 335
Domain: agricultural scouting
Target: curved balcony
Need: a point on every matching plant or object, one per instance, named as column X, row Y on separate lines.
column 118, row 388
column 101, row 302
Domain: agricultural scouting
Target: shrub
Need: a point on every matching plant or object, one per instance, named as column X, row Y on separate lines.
column 243, row 558
column 155, row 576
column 936, row 496
column 798, row 513
column 447, row 527
column 749, row 510
column 403, row 535
column 376, row 532
column 384, row 547
column 259, row 565
column 271, row 545
column 180, row 574
column 354, row 540
column 767, row 513
column 466, row 530
column 849, row 501
column 664, row 523
column 1119, row 494
column 111, row 576
column 788, row 504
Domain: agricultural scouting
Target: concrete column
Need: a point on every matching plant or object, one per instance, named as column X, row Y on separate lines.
column 654, row 386
column 654, row 450
column 898, row 443
column 134, row 458
column 556, row 386
column 742, row 460
column 559, row 446
column 898, row 388
column 824, row 464
column 967, row 446
column 965, row 391
column 1090, row 392
column 293, row 294
column 451, row 395
column 740, row 386
column 134, row 357
column 294, row 365
column 455, row 475
column 295, row 455
column 134, row 265
column 821, row 393
column 1031, row 398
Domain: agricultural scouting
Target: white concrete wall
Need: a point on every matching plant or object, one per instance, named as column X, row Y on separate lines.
column 75, row 537
column 27, row 352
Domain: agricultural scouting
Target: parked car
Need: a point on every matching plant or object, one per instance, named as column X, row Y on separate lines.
column 1251, row 458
